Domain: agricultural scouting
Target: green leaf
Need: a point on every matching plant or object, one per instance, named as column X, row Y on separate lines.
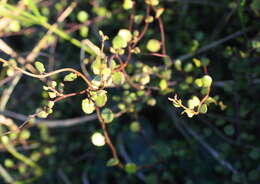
column 25, row 134
column 97, row 66
column 112, row 162
column 188, row 67
column 83, row 31
column 151, row 101
column 42, row 114
column 197, row 62
column 198, row 82
column 119, row 42
column 118, row 78
column 52, row 94
column 70, row 77
column 163, row 84
column 34, row 8
column 143, row 78
column 50, row 104
column 100, row 98
column 125, row 34
column 87, row 106
column 135, row 126
column 107, row 115
column 178, row 65
column 203, row 108
column 153, row 45
column 207, row 81
column 39, row 66
column 9, row 163
column 82, row 16
column 128, row 4
column 130, row 168
column 194, row 102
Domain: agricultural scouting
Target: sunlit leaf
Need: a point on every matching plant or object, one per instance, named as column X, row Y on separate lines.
column 88, row 106
column 70, row 77
column 153, row 45
column 82, row 16
column 125, row 34
column 163, row 84
column 118, row 78
column 39, row 66
column 128, row 4
column 207, row 81
column 100, row 98
column 119, row 42
column 98, row 139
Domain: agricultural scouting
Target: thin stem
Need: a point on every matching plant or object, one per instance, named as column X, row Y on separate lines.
column 70, row 95
column 145, row 27
column 41, row 76
column 161, row 26
column 107, row 137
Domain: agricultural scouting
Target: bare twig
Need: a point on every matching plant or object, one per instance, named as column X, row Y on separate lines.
column 53, row 123
column 213, row 44
column 200, row 140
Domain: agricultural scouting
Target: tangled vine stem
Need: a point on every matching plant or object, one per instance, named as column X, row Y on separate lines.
column 41, row 76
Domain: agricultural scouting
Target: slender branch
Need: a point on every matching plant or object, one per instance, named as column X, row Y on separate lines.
column 7, row 92
column 161, row 26
column 41, row 76
column 192, row 133
column 107, row 137
column 213, row 44
column 6, row 176
column 146, row 25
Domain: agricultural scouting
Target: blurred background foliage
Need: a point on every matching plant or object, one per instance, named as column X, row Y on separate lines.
column 221, row 146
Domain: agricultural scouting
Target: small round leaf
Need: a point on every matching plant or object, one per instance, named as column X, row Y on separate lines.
column 207, row 81
column 119, row 42
column 135, row 126
column 82, row 16
column 100, row 98
column 88, row 106
column 125, row 34
column 203, row 109
column 153, row 45
column 118, row 78
column 130, row 168
column 107, row 115
column 128, row 4
column 98, row 139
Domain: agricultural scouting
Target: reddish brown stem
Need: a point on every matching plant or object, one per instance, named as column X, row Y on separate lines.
column 70, row 95
column 107, row 137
